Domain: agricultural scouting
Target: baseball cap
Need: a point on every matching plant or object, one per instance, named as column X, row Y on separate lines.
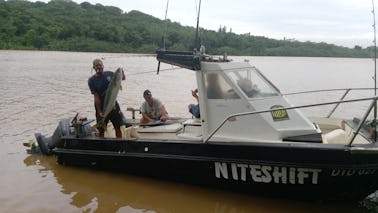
column 147, row 93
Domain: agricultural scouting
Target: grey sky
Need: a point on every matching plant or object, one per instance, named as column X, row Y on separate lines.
column 343, row 22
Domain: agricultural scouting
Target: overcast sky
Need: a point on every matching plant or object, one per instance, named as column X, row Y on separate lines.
column 343, row 22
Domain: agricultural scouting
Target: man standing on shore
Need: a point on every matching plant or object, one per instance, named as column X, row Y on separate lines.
column 98, row 84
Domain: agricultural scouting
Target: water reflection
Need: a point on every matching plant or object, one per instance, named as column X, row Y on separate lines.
column 100, row 191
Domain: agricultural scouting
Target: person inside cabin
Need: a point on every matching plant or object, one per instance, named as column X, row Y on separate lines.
column 251, row 90
column 194, row 108
column 246, row 86
column 152, row 109
column 213, row 88
column 98, row 84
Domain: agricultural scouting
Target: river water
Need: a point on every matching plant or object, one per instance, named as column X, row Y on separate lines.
column 40, row 88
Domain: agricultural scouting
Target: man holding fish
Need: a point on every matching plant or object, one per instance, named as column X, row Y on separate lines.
column 104, row 86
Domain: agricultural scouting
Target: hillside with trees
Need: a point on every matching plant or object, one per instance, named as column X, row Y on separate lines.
column 69, row 26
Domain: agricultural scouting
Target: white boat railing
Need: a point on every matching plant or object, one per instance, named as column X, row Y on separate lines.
column 355, row 133
column 347, row 90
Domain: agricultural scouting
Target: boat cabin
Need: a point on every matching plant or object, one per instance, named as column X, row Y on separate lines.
column 227, row 88
column 229, row 94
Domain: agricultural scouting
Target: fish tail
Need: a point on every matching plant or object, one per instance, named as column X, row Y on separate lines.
column 100, row 125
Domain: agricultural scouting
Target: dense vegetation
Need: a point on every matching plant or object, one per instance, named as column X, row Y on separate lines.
column 66, row 25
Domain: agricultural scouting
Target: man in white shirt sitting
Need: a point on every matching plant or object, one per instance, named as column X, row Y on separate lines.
column 152, row 109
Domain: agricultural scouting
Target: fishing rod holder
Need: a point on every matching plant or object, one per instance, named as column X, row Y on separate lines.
column 133, row 110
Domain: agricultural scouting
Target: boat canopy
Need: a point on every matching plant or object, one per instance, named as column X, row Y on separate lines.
column 188, row 60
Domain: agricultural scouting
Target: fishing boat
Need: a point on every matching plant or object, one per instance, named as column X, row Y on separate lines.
column 249, row 138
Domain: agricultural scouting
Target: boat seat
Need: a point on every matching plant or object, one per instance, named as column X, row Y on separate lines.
column 192, row 122
column 192, row 129
column 168, row 128
column 192, row 125
column 337, row 136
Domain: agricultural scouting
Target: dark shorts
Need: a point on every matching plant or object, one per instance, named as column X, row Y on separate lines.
column 115, row 116
column 195, row 111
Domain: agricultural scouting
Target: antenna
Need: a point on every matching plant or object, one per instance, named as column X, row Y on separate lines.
column 197, row 29
column 164, row 33
column 375, row 71
column 165, row 24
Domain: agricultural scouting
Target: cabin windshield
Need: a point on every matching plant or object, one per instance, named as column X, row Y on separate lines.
column 252, row 83
column 218, row 88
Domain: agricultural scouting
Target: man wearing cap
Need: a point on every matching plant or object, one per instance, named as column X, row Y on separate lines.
column 98, row 84
column 152, row 109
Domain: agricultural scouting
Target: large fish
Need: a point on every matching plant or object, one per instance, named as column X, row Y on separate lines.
column 112, row 92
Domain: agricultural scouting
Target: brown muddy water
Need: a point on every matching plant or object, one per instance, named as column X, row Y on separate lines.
column 40, row 88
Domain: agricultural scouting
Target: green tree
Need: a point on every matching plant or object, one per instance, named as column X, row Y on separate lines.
column 66, row 25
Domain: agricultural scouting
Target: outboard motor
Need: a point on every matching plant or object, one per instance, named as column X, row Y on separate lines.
column 66, row 127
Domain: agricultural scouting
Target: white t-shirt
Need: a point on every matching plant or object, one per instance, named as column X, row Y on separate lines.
column 152, row 111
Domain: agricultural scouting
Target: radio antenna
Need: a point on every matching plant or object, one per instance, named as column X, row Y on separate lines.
column 165, row 24
column 164, row 33
column 197, row 46
column 375, row 71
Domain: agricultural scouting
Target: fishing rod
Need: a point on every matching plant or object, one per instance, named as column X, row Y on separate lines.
column 146, row 72
column 375, row 71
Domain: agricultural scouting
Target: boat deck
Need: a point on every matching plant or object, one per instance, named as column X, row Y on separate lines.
column 172, row 131
column 331, row 129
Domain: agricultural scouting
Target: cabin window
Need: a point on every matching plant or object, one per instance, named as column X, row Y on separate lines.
column 218, row 88
column 252, row 83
